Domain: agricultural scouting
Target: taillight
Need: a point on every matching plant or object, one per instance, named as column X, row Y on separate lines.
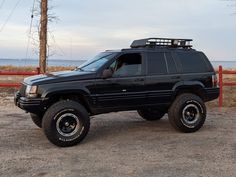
column 214, row 81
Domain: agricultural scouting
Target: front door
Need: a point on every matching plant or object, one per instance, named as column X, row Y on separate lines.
column 126, row 86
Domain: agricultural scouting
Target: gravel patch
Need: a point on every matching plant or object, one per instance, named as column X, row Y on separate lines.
column 120, row 144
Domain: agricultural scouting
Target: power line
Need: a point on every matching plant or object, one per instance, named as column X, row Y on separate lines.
column 32, row 16
column 30, row 29
column 9, row 16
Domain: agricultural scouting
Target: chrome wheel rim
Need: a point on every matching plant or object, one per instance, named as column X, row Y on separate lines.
column 190, row 115
column 68, row 124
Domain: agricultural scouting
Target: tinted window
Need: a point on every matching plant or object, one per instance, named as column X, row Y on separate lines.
column 170, row 63
column 192, row 62
column 209, row 66
column 156, row 63
column 128, row 65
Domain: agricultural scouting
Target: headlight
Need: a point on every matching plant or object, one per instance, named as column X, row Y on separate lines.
column 31, row 91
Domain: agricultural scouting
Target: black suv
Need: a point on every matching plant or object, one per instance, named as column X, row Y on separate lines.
column 155, row 76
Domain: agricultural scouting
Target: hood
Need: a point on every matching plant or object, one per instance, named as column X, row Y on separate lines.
column 56, row 77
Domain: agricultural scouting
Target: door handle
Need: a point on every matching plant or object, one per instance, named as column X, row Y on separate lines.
column 139, row 80
column 175, row 77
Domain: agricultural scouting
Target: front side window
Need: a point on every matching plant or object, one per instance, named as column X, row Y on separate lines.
column 127, row 65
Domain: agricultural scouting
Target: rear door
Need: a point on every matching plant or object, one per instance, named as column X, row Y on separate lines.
column 162, row 75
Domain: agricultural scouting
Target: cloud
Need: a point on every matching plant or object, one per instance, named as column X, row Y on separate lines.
column 87, row 27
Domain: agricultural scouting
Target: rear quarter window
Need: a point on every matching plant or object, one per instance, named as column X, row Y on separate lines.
column 193, row 62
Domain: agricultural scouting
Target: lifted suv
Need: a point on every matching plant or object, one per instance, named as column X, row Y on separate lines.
column 155, row 76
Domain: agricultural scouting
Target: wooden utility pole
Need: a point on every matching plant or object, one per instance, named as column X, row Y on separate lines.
column 43, row 36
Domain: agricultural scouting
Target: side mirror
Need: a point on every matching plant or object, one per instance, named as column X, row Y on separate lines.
column 107, row 73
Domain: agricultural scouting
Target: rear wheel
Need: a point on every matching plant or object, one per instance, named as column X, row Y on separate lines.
column 187, row 113
column 66, row 123
column 151, row 114
column 36, row 119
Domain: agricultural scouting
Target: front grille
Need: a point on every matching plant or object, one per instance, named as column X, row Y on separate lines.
column 22, row 90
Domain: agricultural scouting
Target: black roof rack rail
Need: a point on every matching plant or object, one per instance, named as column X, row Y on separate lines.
column 162, row 42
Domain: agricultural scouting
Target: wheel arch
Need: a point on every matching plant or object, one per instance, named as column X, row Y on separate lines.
column 196, row 88
column 75, row 95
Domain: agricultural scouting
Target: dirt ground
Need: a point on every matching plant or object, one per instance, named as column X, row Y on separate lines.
column 120, row 145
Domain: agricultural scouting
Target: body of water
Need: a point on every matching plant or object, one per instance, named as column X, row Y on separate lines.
column 225, row 64
column 35, row 63
column 74, row 63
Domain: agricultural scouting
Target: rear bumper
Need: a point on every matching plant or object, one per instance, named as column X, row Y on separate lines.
column 212, row 94
column 32, row 105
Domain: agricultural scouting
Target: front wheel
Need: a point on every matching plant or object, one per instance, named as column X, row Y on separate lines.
column 66, row 123
column 36, row 119
column 187, row 113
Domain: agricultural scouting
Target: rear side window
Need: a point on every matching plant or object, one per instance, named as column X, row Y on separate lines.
column 192, row 62
column 171, row 63
column 156, row 63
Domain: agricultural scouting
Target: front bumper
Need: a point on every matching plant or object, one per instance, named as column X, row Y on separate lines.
column 32, row 105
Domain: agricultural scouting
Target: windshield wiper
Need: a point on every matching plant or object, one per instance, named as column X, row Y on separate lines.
column 77, row 68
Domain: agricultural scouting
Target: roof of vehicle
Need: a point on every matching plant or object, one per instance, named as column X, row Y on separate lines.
column 158, row 45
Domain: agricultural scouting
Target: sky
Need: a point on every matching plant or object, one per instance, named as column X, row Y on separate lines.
column 86, row 27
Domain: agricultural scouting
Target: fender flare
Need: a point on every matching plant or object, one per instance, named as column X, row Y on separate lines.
column 188, row 85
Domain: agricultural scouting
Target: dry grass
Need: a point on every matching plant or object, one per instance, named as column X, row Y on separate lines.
column 229, row 92
column 16, row 79
column 30, row 68
column 229, row 98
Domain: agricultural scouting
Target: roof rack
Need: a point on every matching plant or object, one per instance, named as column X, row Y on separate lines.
column 163, row 42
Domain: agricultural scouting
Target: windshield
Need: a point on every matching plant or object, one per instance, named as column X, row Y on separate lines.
column 95, row 63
